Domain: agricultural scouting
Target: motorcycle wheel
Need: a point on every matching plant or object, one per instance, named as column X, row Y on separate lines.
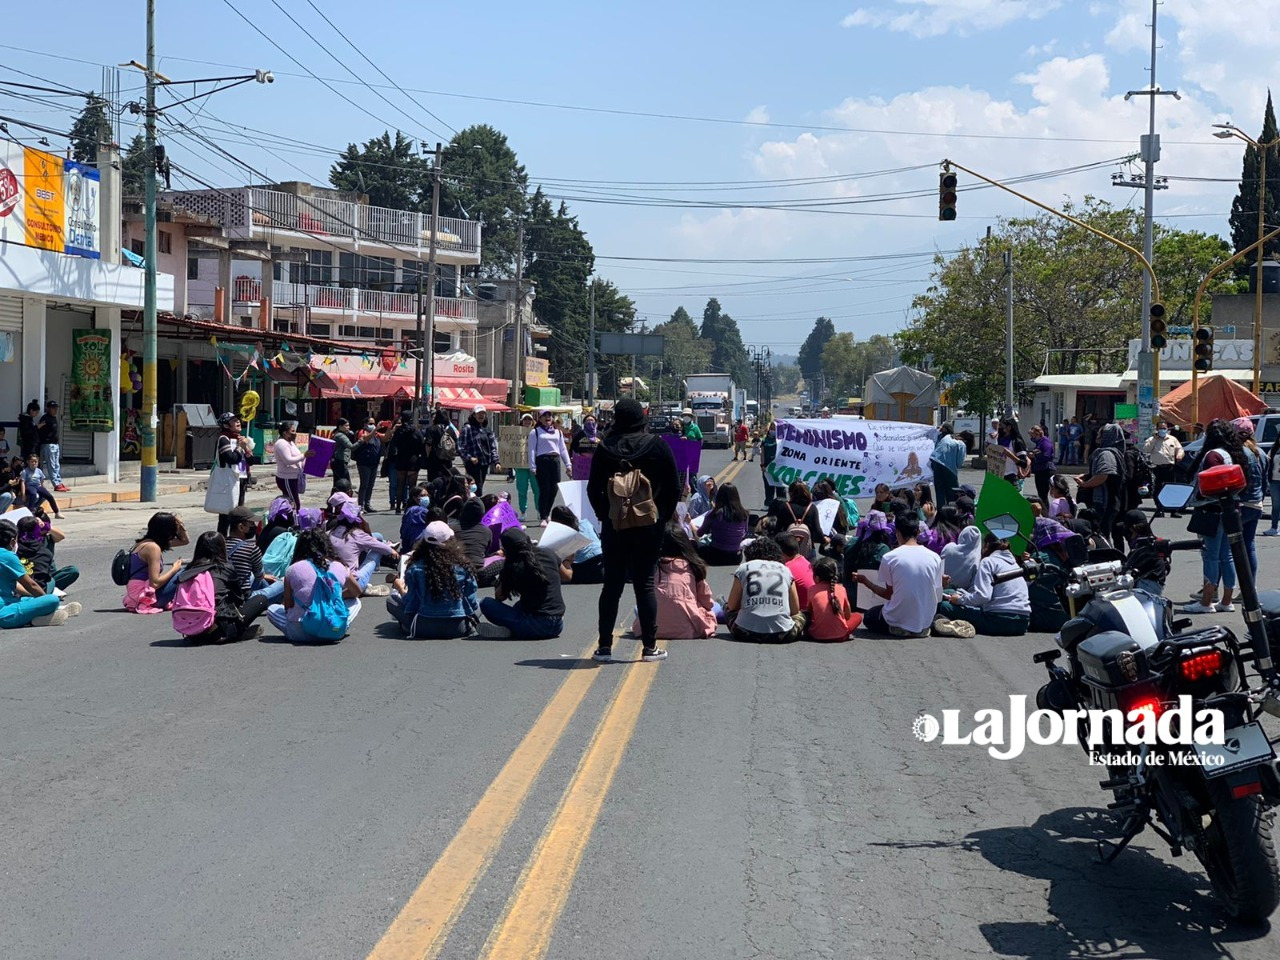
column 1240, row 857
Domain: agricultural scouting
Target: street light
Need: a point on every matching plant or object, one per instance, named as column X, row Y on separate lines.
column 1225, row 131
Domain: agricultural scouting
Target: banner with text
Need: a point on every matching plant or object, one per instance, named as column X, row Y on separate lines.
column 92, row 402
column 855, row 455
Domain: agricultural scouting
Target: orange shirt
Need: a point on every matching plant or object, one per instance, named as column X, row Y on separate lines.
column 828, row 622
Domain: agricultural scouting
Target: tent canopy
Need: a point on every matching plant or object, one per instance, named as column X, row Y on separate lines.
column 1220, row 399
column 467, row 398
column 887, row 385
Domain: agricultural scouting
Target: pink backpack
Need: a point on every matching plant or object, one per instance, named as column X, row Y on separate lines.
column 194, row 604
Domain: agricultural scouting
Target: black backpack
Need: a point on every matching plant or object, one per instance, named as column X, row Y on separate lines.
column 120, row 568
column 445, row 447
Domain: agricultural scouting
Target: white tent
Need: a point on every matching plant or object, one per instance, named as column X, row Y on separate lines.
column 902, row 393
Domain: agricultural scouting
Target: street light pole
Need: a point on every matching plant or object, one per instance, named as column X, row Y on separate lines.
column 149, row 421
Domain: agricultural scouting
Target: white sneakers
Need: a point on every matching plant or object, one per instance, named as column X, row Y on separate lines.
column 954, row 628
column 59, row 616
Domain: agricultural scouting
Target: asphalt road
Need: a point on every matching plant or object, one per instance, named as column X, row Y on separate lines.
column 470, row 799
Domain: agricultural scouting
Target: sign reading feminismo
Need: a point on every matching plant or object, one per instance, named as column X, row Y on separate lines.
column 48, row 202
column 854, row 455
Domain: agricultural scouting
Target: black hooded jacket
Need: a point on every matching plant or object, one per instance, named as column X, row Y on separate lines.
column 630, row 443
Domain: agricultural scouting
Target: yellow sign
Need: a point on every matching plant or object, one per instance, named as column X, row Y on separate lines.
column 537, row 372
column 42, row 188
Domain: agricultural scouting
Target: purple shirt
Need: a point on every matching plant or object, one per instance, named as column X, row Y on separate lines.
column 349, row 548
column 301, row 578
column 725, row 534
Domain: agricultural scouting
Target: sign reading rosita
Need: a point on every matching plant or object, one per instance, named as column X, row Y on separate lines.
column 854, row 455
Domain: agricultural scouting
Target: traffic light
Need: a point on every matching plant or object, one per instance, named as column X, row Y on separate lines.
column 1204, row 349
column 1158, row 327
column 946, row 195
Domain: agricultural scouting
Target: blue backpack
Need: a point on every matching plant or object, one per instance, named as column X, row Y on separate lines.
column 326, row 615
column 279, row 554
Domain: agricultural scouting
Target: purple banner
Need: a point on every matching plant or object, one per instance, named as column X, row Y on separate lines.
column 316, row 464
column 581, row 466
column 499, row 518
column 688, row 454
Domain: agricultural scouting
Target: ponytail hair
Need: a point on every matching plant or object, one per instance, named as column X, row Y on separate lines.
column 826, row 571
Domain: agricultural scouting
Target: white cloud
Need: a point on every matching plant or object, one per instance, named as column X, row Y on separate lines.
column 758, row 114
column 931, row 18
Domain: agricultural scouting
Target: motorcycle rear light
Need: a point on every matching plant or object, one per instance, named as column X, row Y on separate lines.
column 1201, row 666
column 1149, row 705
column 1246, row 790
column 1228, row 478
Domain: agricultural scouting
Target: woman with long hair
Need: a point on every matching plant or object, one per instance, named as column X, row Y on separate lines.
column 722, row 533
column 686, row 610
column 946, row 526
column 33, row 607
column 1061, row 504
column 235, row 608
column 1009, row 438
column 312, row 555
column 831, row 618
column 1221, row 446
column 531, row 576
column 1255, row 473
column 436, row 598
column 151, row 588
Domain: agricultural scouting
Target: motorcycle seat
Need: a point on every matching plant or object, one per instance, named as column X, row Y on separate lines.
column 1269, row 600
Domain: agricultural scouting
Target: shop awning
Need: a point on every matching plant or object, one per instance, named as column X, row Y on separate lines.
column 369, row 386
column 466, row 398
column 491, row 387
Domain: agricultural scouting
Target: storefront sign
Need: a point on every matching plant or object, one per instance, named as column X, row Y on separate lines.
column 47, row 202
column 92, row 404
column 457, row 365
column 855, row 455
column 537, row 372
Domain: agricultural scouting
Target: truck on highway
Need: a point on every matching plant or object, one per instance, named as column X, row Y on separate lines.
column 711, row 396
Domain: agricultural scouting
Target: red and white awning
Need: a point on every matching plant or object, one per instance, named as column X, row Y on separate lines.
column 467, row 398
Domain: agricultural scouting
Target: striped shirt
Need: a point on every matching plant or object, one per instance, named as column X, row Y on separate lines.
column 245, row 557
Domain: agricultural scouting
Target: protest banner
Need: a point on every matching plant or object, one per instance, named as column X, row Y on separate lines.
column 316, row 464
column 513, row 447
column 688, row 454
column 854, row 455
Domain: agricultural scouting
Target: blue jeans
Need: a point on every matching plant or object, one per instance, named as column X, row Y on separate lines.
column 272, row 591
column 164, row 596
column 522, row 625
column 1249, row 517
column 367, row 569
column 6, row 501
column 22, row 611
column 1275, row 504
column 1215, row 558
column 51, row 459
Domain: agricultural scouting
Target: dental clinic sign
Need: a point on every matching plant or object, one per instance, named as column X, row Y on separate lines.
column 47, row 202
column 854, row 455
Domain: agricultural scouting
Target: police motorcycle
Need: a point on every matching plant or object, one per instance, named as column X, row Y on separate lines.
column 1128, row 661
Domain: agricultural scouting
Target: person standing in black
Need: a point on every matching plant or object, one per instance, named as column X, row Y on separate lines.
column 232, row 452
column 406, row 451
column 344, row 442
column 633, row 551
column 28, row 437
column 48, row 432
column 479, row 448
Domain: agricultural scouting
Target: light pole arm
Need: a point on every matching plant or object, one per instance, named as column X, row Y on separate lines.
column 1195, row 309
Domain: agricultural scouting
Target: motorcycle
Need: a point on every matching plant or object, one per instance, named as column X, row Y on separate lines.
column 1126, row 653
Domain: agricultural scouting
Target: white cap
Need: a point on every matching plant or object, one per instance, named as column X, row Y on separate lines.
column 438, row 532
column 478, row 408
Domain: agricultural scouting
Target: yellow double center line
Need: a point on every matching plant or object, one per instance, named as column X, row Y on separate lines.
column 420, row 930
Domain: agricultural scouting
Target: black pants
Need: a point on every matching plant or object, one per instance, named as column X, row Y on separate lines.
column 548, row 474
column 368, row 479
column 631, row 552
column 477, row 472
column 1159, row 477
column 945, row 482
column 1042, row 487
column 340, row 470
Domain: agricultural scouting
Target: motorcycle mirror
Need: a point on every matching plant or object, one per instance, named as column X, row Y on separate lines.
column 1175, row 496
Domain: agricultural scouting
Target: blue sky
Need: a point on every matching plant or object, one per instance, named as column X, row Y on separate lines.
column 1034, row 81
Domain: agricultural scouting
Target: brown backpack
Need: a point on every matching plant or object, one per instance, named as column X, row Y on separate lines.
column 800, row 530
column 631, row 502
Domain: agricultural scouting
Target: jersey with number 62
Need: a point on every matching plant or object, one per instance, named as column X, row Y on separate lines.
column 766, row 597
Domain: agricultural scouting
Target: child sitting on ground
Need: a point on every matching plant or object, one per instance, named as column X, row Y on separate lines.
column 33, row 482
column 763, row 605
column 36, row 538
column 234, row 610
column 800, row 567
column 23, row 602
column 831, row 619
column 587, row 564
column 685, row 608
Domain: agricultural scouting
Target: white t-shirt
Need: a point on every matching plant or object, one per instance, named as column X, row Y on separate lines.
column 915, row 573
column 766, row 597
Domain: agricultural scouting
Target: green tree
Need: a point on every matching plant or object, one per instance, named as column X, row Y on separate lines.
column 390, row 172
column 728, row 353
column 810, row 359
column 840, row 364
column 786, row 378
column 90, row 128
column 684, row 352
column 483, row 181
column 1182, row 259
column 134, row 166
column 1244, row 208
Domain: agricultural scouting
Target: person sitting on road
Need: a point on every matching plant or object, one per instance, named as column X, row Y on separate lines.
column 436, row 599
column 23, row 602
column 994, row 609
column 357, row 549
column 1061, row 504
column 245, row 557
column 477, row 544
column 532, row 575
column 960, row 559
column 722, row 533
column 151, row 587
column 415, row 519
column 36, row 539
column 10, row 485
column 313, row 553
column 704, row 496
column 763, row 605
column 280, row 517
column 831, row 619
column 587, row 563
column 911, row 587
column 235, row 608
column 872, row 540
column 686, row 610
column 799, row 565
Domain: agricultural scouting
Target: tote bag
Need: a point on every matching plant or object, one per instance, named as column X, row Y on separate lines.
column 223, row 493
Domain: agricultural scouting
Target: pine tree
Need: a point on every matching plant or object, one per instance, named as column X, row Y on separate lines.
column 728, row 354
column 1244, row 209
column 91, row 127
column 810, row 359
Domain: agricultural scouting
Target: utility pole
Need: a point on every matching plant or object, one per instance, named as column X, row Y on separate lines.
column 1149, row 360
column 419, row 330
column 1008, row 333
column 427, row 363
column 149, row 420
column 591, row 350
column 517, row 377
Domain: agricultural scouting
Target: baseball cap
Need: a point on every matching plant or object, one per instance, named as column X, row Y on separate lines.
column 241, row 515
column 1243, row 425
column 478, row 408
column 438, row 532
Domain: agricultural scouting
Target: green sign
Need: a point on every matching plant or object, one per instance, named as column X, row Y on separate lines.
column 1126, row 411
column 92, row 403
column 1005, row 512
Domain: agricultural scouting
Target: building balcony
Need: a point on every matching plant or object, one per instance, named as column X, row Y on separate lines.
column 352, row 303
column 317, row 223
